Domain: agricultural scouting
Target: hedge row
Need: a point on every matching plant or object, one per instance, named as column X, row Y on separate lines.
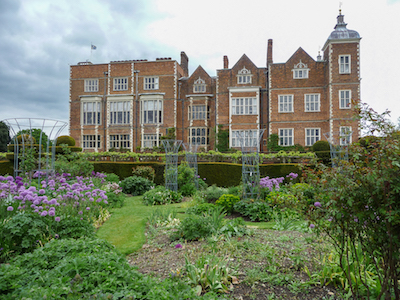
column 221, row 174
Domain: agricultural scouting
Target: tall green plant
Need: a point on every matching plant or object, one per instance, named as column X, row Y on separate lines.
column 357, row 205
column 223, row 139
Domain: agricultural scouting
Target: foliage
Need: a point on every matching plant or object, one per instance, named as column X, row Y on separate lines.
column 256, row 210
column 200, row 209
column 209, row 273
column 321, row 146
column 111, row 177
column 186, row 180
column 65, row 139
column 281, row 200
column 82, row 269
column 213, row 193
column 72, row 163
column 273, row 143
column 38, row 136
column 160, row 195
column 227, row 201
column 170, row 134
column 357, row 206
column 222, row 139
column 4, row 136
column 194, row 227
column 136, row 185
column 114, row 194
column 145, row 172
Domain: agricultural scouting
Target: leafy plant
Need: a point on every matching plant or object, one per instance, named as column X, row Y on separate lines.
column 209, row 273
column 212, row 193
column 160, row 195
column 256, row 210
column 111, row 177
column 186, row 180
column 227, row 201
column 136, row 185
column 145, row 172
column 72, row 163
column 281, row 200
column 200, row 209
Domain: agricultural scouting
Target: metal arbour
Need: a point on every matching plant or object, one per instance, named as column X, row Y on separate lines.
column 171, row 163
column 250, row 144
column 191, row 158
column 339, row 148
column 27, row 146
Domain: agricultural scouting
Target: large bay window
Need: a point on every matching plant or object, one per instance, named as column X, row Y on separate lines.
column 244, row 106
column 245, row 138
column 151, row 111
column 90, row 141
column 120, row 112
column 91, row 112
column 199, row 136
column 119, row 141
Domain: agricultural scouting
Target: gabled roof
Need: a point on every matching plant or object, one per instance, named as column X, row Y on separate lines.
column 243, row 60
column 299, row 54
column 199, row 70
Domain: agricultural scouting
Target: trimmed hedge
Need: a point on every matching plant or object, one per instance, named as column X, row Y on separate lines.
column 221, row 174
column 65, row 139
column 6, row 167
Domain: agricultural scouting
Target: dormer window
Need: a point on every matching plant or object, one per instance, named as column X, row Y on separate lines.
column 244, row 76
column 199, row 86
column 300, row 71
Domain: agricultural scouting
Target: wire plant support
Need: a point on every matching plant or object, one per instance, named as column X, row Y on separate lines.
column 34, row 158
column 171, row 163
column 250, row 143
column 339, row 147
column 191, row 158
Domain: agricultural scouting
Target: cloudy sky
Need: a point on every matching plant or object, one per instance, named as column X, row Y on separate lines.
column 40, row 39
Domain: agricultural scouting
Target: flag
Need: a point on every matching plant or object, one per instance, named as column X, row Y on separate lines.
column 94, row 47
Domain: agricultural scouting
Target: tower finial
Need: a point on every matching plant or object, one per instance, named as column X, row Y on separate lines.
column 340, row 7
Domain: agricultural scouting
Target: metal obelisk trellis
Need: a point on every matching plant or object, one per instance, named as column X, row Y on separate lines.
column 339, row 148
column 250, row 144
column 26, row 148
column 191, row 158
column 171, row 164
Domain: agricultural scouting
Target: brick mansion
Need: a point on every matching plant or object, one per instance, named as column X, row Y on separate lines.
column 131, row 104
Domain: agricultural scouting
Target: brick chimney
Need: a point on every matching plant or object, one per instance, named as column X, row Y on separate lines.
column 269, row 52
column 185, row 63
column 226, row 62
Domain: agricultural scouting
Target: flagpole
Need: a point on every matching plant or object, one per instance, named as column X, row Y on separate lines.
column 91, row 50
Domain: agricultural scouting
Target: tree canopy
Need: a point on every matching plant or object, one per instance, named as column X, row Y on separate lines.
column 4, row 136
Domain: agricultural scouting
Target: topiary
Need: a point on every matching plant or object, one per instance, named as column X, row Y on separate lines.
column 135, row 185
column 65, row 139
column 321, row 146
column 26, row 139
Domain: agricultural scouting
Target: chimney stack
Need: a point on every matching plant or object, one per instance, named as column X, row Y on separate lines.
column 185, row 63
column 226, row 62
column 269, row 52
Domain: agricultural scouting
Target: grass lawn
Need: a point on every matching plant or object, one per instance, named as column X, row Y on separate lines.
column 126, row 226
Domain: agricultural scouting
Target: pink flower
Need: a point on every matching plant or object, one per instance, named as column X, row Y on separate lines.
column 57, row 219
column 10, row 208
column 312, row 226
column 317, row 204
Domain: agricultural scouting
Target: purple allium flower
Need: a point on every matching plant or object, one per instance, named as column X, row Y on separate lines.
column 177, row 246
column 312, row 226
column 57, row 219
column 105, row 202
column 10, row 208
column 80, row 212
column 87, row 208
column 1, row 249
column 42, row 191
column 52, row 213
column 81, row 218
column 44, row 213
column 56, row 236
column 330, row 219
column 356, row 219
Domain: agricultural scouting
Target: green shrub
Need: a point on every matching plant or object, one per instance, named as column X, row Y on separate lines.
column 145, row 172
column 200, row 209
column 321, row 146
column 26, row 139
column 186, row 180
column 281, row 200
column 255, row 210
column 227, row 201
column 234, row 227
column 111, row 177
column 236, row 190
column 194, row 227
column 160, row 195
column 212, row 193
column 65, row 139
column 135, row 185
column 71, row 162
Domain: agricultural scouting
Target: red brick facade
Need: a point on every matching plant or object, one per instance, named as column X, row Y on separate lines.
column 131, row 104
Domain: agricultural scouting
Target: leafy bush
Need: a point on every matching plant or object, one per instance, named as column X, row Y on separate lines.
column 234, row 227
column 235, row 190
column 73, row 164
column 227, row 201
column 281, row 200
column 194, row 227
column 160, row 195
column 24, row 232
column 111, row 177
column 255, row 210
column 200, row 209
column 65, row 139
column 136, row 185
column 212, row 193
column 186, row 180
column 82, row 269
column 145, row 172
